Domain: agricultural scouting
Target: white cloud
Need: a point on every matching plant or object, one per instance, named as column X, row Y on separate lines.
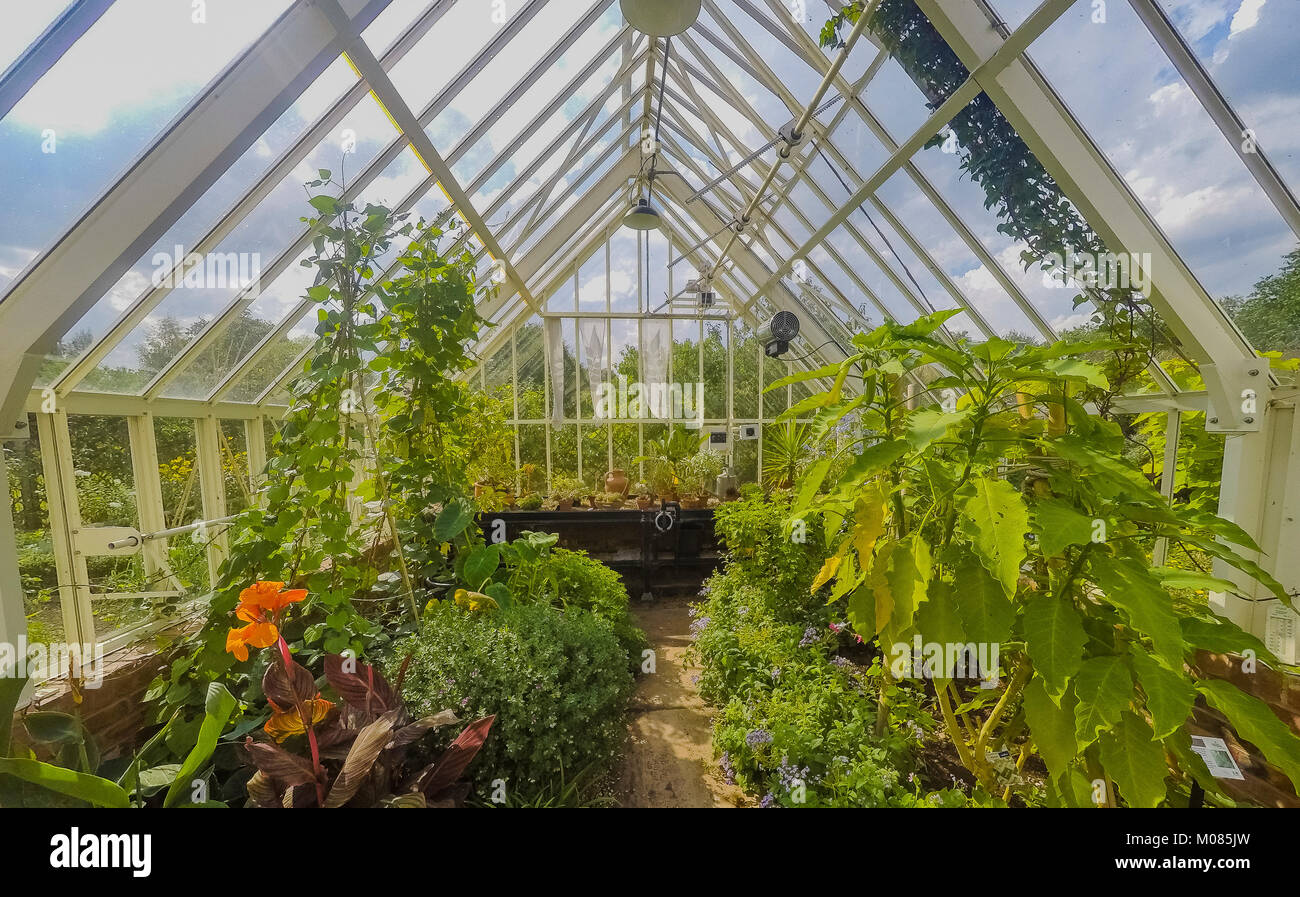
column 1246, row 16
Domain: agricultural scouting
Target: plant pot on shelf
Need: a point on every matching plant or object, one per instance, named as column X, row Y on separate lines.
column 694, row 502
column 644, row 502
column 564, row 504
column 616, row 481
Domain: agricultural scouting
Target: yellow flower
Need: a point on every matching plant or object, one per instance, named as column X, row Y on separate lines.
column 284, row 723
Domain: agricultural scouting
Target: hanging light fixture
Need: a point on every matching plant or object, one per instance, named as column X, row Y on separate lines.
column 642, row 215
column 661, row 18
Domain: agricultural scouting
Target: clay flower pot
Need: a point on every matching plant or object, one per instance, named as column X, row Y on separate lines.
column 616, row 481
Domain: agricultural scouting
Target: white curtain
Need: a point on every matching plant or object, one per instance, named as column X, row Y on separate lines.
column 593, row 332
column 555, row 352
column 656, row 344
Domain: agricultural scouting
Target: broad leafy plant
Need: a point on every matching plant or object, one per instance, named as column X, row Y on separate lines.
column 994, row 509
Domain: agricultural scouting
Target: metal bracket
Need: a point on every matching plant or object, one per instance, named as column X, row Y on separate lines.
column 1238, row 394
column 789, row 138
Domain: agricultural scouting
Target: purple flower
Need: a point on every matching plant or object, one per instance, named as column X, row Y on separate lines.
column 757, row 737
column 697, row 626
column 792, row 776
column 464, row 701
column 811, row 636
column 841, row 661
column 768, row 801
column 727, row 768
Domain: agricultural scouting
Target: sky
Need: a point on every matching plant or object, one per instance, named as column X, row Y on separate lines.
column 145, row 60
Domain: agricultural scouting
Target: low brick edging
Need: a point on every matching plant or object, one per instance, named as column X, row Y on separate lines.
column 115, row 712
column 1264, row 785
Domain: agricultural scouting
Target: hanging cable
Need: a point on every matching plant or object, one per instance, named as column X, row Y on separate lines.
column 862, row 208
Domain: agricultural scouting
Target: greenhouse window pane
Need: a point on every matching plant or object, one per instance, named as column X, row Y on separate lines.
column 81, row 125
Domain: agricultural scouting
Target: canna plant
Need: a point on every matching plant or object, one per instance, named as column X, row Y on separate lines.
column 991, row 509
column 369, row 735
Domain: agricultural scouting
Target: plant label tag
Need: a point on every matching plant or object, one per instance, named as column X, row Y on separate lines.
column 1214, row 751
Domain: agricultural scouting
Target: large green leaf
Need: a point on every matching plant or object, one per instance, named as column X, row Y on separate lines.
column 451, row 521
column 1104, row 688
column 1054, row 638
column 92, row 789
column 1052, row 727
column 480, row 564
column 1131, row 587
column 1169, row 694
column 995, row 520
column 898, row 579
column 1223, row 637
column 1256, row 723
column 872, row 459
column 929, row 424
column 1117, row 472
column 937, row 620
column 986, row 612
column 1135, row 761
column 810, row 482
column 1059, row 525
column 218, row 706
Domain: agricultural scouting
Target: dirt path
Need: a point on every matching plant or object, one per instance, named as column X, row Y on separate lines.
column 669, row 757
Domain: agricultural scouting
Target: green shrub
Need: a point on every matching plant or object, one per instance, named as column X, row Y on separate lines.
column 538, row 573
column 762, row 550
column 557, row 681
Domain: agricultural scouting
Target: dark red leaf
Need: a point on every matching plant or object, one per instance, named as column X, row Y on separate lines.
column 281, row 767
column 286, row 692
column 456, row 758
column 359, row 684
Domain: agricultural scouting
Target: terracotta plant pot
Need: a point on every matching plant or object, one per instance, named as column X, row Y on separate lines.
column 644, row 502
column 616, row 481
column 564, row 504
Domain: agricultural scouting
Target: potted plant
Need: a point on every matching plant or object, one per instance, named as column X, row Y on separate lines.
column 566, row 492
column 697, row 474
column 644, row 497
column 662, row 456
column 609, row 501
column 531, row 502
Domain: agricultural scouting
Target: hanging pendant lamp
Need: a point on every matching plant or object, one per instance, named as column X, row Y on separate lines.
column 661, row 18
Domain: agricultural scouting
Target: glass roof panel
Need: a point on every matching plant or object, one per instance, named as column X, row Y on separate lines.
column 286, row 204
column 1235, row 42
column 524, row 50
column 1156, row 134
column 24, row 23
column 82, row 124
column 434, row 60
column 252, row 247
column 540, row 94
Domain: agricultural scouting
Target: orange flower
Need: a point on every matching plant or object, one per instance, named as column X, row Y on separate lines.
column 284, row 723
column 260, row 606
column 259, row 635
column 265, row 598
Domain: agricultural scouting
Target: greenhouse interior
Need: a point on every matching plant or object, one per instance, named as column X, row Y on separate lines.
column 650, row 403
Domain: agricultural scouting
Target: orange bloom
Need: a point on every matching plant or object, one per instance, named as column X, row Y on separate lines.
column 263, row 599
column 260, row 606
column 284, row 723
column 259, row 635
